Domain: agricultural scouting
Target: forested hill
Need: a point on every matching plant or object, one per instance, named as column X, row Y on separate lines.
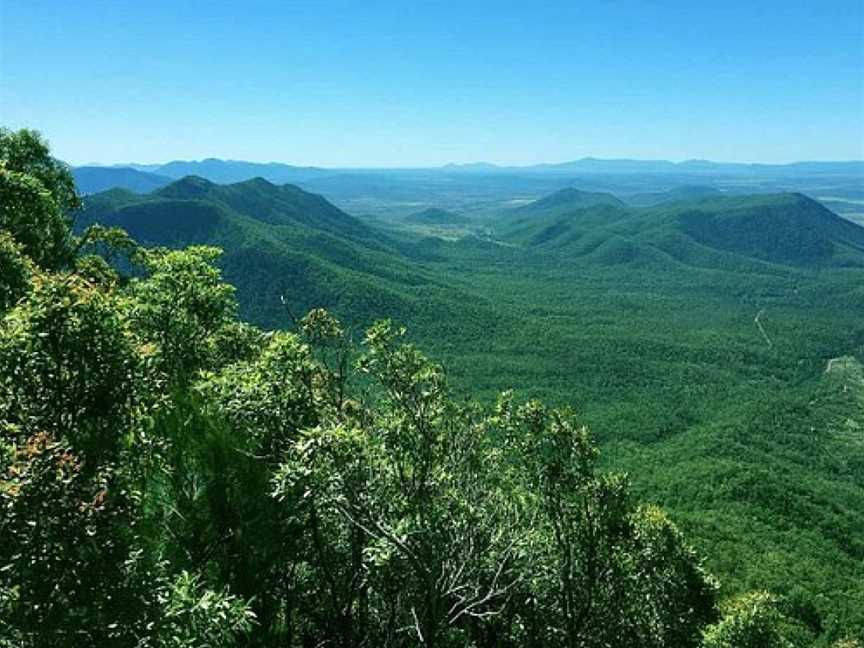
column 288, row 250
column 257, row 199
column 567, row 200
column 787, row 229
column 269, row 203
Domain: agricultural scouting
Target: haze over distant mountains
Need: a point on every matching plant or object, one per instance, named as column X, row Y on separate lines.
column 461, row 188
column 595, row 165
column 225, row 170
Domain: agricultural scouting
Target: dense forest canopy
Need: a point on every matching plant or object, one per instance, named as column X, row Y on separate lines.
column 173, row 476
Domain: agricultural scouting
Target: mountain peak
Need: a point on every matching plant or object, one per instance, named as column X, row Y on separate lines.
column 189, row 187
column 570, row 198
column 255, row 183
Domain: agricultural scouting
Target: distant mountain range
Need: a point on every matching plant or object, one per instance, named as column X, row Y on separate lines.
column 223, row 171
column 627, row 166
column 93, row 179
column 226, row 171
column 469, row 187
column 594, row 165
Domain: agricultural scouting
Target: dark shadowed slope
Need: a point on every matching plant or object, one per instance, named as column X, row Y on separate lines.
column 790, row 229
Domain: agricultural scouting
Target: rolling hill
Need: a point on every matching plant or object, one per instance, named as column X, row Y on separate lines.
column 280, row 241
column 567, row 200
column 784, row 229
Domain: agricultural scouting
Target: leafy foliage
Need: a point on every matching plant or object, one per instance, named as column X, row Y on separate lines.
column 36, row 196
column 753, row 620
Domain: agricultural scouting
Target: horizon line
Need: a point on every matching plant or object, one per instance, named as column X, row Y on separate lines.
column 477, row 163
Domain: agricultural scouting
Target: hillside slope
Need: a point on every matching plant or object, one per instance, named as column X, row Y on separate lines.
column 280, row 241
column 677, row 194
column 783, row 229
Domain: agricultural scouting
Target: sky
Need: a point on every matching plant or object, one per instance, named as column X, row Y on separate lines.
column 366, row 83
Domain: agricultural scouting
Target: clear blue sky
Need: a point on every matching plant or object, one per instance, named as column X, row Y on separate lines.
column 369, row 83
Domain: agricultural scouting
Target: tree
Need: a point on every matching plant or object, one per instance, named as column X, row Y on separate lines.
column 69, row 367
column 196, row 617
column 410, row 477
column 77, row 391
column 37, row 196
column 602, row 572
column 753, row 620
column 669, row 595
column 180, row 307
column 16, row 271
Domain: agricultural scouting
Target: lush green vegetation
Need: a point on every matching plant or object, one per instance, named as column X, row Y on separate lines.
column 672, row 337
column 172, row 476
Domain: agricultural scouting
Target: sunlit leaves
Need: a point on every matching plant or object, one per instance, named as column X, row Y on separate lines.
column 37, row 195
column 179, row 306
column 193, row 616
column 68, row 365
column 753, row 620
